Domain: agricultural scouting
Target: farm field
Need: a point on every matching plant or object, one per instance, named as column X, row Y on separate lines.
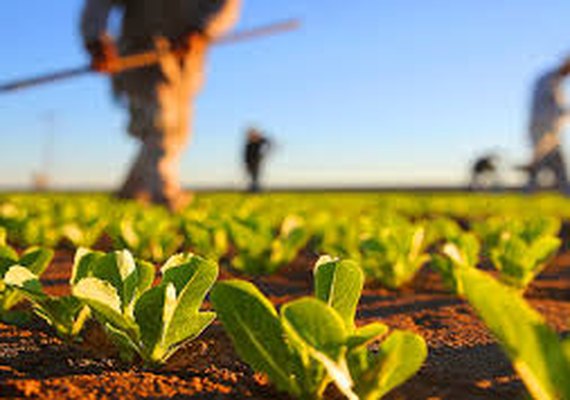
column 466, row 275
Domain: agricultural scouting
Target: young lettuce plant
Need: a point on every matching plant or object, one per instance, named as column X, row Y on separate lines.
column 252, row 239
column 338, row 236
column 83, row 235
column 519, row 262
column 35, row 260
column 207, row 237
column 460, row 252
column 441, row 229
column 259, row 252
column 150, row 234
column 538, row 356
column 494, row 230
column 394, row 255
column 152, row 322
column 293, row 236
column 66, row 314
column 313, row 341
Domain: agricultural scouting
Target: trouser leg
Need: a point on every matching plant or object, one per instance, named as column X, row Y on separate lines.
column 558, row 166
column 134, row 185
column 161, row 126
column 161, row 121
column 253, row 172
column 532, row 183
column 141, row 126
column 162, row 163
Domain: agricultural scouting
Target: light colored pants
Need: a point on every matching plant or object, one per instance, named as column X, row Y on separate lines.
column 160, row 119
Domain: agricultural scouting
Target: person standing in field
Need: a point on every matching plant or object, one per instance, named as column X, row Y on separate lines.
column 548, row 116
column 159, row 97
column 256, row 148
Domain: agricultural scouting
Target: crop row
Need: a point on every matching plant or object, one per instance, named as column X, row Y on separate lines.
column 310, row 343
column 260, row 236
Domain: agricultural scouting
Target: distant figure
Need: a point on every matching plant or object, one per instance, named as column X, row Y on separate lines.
column 484, row 172
column 158, row 98
column 40, row 181
column 256, row 148
column 548, row 115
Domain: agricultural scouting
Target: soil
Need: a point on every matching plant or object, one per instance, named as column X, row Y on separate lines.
column 464, row 360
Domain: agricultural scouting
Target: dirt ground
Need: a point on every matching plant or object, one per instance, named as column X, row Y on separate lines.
column 464, row 360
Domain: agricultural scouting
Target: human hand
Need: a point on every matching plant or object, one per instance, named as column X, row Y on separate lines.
column 191, row 42
column 104, row 55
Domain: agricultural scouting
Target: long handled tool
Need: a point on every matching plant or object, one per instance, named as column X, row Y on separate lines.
column 148, row 58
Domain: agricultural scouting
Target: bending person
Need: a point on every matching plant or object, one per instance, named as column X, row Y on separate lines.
column 159, row 98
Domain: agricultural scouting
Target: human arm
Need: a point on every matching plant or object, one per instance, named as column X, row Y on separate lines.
column 97, row 42
column 218, row 16
column 222, row 19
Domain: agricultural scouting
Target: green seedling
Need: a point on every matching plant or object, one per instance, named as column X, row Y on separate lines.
column 519, row 262
column 208, row 238
column 83, row 235
column 293, row 236
column 460, row 252
column 494, row 230
column 150, row 234
column 538, row 356
column 440, row 230
column 152, row 322
column 66, row 314
column 313, row 341
column 259, row 251
column 394, row 256
column 35, row 260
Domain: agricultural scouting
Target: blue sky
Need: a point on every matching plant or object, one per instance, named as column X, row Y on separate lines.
column 375, row 92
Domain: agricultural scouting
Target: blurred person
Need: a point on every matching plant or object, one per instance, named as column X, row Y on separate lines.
column 256, row 148
column 484, row 172
column 159, row 97
column 548, row 116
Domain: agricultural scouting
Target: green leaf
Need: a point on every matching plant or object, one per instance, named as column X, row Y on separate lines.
column 339, row 284
column 545, row 248
column 102, row 297
column 8, row 257
column 192, row 280
column 66, row 315
column 120, row 270
column 83, row 262
column 18, row 277
column 3, row 236
column 149, row 316
column 399, row 357
column 316, row 324
column 36, row 259
column 256, row 331
column 23, row 278
column 528, row 341
column 125, row 344
column 366, row 334
column 146, row 273
column 317, row 334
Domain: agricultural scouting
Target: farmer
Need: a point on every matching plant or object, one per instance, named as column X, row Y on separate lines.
column 548, row 115
column 484, row 172
column 159, row 98
column 256, row 148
